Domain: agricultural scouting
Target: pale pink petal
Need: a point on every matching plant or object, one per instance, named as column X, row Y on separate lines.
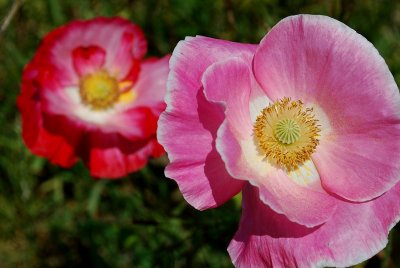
column 187, row 129
column 355, row 233
column 228, row 82
column 88, row 59
column 325, row 63
column 151, row 85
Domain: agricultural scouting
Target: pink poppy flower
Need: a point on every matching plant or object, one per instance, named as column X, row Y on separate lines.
column 88, row 93
column 306, row 125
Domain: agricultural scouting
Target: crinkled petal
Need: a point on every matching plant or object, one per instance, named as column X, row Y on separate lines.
column 356, row 232
column 188, row 128
column 326, row 64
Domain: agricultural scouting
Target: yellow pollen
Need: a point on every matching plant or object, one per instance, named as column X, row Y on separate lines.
column 99, row 90
column 287, row 133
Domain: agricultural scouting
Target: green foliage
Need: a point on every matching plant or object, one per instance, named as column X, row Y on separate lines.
column 52, row 217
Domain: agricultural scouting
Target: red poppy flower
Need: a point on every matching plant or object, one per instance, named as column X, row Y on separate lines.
column 88, row 93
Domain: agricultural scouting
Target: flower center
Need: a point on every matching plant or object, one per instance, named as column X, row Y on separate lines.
column 287, row 133
column 99, row 90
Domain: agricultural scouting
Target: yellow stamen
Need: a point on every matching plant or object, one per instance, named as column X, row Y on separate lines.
column 287, row 133
column 127, row 96
column 99, row 90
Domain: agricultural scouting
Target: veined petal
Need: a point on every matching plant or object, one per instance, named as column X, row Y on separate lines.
column 188, row 127
column 204, row 51
column 195, row 164
column 322, row 61
column 228, row 82
column 354, row 233
column 361, row 165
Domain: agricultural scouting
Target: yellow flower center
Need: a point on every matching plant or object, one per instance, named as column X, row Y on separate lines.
column 99, row 90
column 287, row 133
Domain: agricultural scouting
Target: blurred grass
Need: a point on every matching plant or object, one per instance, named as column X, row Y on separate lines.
column 51, row 217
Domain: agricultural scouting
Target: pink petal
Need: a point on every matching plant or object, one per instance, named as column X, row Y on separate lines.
column 229, row 82
column 355, row 233
column 203, row 51
column 195, row 164
column 187, row 129
column 88, row 59
column 361, row 165
column 151, row 85
column 328, row 65
column 124, row 60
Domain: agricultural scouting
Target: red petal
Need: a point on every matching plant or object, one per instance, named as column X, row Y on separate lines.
column 88, row 59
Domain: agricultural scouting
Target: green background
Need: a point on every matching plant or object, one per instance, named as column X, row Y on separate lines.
column 54, row 217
